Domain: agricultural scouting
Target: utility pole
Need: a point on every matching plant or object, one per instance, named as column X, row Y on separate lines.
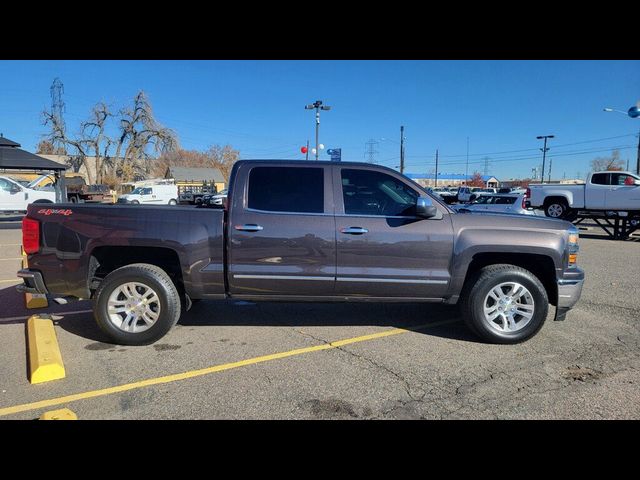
column 318, row 106
column 550, row 163
column 486, row 165
column 466, row 168
column 627, row 164
column 544, row 151
column 401, row 148
column 436, row 168
column 307, row 157
column 638, row 158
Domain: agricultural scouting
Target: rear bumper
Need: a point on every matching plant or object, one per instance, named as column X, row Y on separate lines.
column 33, row 282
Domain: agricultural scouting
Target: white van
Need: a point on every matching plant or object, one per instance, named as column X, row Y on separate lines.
column 152, row 194
column 15, row 197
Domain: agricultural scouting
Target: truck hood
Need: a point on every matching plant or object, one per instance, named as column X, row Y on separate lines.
column 508, row 221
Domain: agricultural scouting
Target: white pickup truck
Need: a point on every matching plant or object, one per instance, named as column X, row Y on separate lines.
column 15, row 197
column 607, row 191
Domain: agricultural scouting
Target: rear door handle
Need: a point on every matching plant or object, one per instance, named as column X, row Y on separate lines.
column 354, row 230
column 249, row 227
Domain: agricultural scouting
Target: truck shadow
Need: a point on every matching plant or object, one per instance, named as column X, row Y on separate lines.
column 267, row 314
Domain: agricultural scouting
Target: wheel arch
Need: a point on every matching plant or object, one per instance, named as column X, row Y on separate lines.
column 542, row 266
column 105, row 259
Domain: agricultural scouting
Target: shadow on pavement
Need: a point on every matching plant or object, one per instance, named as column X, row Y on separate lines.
column 12, row 305
column 267, row 314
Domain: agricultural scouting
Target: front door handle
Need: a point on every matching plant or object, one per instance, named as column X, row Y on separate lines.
column 250, row 227
column 354, row 230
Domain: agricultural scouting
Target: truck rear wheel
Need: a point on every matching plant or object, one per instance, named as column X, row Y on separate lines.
column 136, row 304
column 556, row 208
column 505, row 304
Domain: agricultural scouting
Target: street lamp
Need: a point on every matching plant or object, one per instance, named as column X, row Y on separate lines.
column 317, row 105
column 544, row 151
column 633, row 112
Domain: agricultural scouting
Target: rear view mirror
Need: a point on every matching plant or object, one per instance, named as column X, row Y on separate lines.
column 425, row 208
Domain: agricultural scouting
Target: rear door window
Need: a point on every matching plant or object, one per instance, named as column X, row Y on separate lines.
column 287, row 189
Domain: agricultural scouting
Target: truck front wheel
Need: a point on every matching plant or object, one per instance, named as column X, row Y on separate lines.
column 136, row 304
column 505, row 304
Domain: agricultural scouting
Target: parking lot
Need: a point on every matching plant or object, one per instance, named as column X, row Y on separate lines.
column 241, row 360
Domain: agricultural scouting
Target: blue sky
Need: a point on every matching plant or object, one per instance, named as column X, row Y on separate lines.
column 258, row 107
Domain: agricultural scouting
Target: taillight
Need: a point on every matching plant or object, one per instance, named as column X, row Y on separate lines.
column 528, row 193
column 30, row 235
column 524, row 202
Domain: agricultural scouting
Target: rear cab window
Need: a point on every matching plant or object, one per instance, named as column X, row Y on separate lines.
column 286, row 189
column 600, row 179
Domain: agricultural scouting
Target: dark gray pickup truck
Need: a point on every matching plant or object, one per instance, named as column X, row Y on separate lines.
column 303, row 231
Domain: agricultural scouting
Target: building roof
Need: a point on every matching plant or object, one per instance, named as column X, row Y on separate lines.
column 198, row 174
column 446, row 176
column 5, row 142
column 15, row 158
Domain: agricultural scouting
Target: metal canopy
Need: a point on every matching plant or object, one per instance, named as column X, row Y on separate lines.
column 14, row 158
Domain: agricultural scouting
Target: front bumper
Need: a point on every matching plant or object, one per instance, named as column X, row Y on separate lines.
column 33, row 282
column 569, row 291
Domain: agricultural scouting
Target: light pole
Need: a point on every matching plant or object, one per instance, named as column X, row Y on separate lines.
column 318, row 106
column 544, row 152
column 633, row 112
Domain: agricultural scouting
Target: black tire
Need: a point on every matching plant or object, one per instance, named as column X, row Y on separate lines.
column 151, row 276
column 135, row 202
column 556, row 208
column 73, row 199
column 478, row 287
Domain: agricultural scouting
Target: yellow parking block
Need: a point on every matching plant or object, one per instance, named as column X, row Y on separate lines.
column 45, row 360
column 62, row 414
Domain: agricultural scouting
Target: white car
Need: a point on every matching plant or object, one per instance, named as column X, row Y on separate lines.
column 15, row 197
column 498, row 203
column 152, row 195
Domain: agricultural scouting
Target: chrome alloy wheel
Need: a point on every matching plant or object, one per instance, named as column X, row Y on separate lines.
column 133, row 307
column 555, row 210
column 508, row 307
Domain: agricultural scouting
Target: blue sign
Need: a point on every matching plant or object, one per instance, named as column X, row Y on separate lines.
column 336, row 154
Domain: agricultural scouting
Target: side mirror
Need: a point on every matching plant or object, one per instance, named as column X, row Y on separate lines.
column 425, row 208
column 15, row 189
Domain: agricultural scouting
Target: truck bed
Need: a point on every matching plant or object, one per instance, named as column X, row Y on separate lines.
column 73, row 234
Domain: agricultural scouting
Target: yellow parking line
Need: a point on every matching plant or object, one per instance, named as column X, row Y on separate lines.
column 206, row 371
column 18, row 258
column 19, row 280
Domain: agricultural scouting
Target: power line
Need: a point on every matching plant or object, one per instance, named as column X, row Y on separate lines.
column 532, row 149
column 480, row 162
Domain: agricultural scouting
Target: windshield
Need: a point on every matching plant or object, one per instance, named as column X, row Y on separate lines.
column 141, row 191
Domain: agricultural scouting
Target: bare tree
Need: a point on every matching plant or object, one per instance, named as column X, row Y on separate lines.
column 476, row 180
column 138, row 131
column 613, row 162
